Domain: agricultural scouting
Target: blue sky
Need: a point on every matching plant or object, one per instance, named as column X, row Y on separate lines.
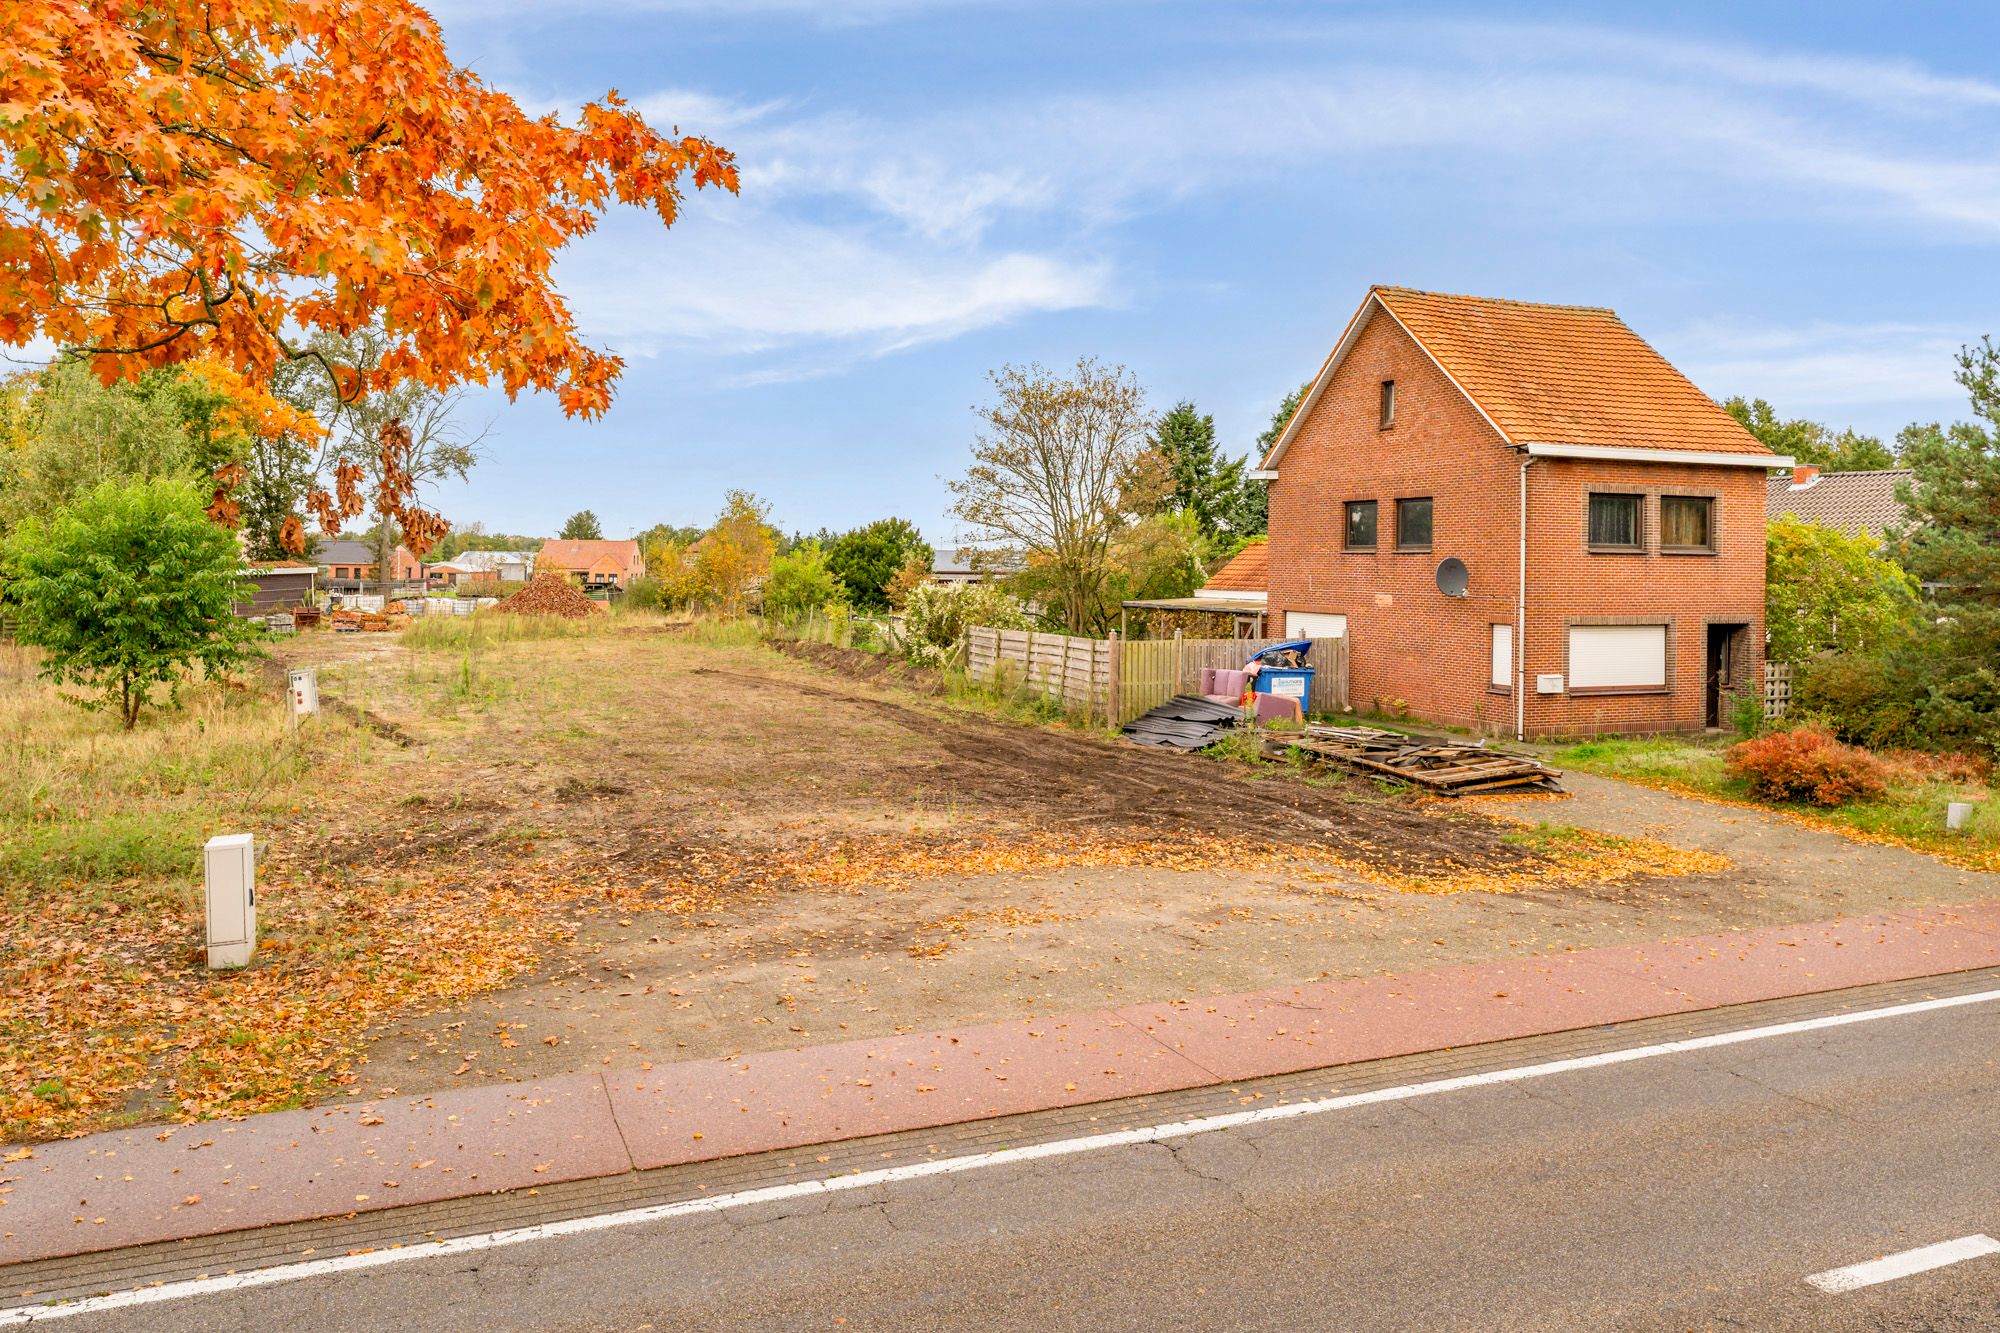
column 1795, row 202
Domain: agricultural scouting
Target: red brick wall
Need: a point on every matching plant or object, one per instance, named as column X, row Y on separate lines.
column 1566, row 582
column 1407, row 641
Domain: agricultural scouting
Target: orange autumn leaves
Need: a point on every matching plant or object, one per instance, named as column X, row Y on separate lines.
column 209, row 177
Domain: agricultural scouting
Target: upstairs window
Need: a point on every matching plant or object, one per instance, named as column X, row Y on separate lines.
column 1360, row 525
column 1614, row 523
column 1388, row 404
column 1687, row 523
column 1413, row 524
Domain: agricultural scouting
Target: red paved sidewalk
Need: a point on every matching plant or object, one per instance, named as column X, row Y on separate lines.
column 138, row 1186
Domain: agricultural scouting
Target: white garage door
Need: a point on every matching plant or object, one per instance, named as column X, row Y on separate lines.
column 1617, row 656
column 1314, row 625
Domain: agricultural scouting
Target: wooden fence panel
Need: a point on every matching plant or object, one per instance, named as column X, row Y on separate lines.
column 1152, row 671
column 1074, row 670
column 1120, row 679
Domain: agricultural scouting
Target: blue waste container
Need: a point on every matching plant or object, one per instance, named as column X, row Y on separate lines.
column 1287, row 683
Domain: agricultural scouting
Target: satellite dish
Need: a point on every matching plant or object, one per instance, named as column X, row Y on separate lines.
column 1452, row 577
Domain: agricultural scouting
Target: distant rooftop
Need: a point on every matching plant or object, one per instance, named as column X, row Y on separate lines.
column 1852, row 502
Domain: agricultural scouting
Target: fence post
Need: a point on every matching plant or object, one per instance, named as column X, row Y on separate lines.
column 1174, row 685
column 1113, row 706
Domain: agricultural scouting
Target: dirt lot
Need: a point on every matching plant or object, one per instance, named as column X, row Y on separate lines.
column 763, row 852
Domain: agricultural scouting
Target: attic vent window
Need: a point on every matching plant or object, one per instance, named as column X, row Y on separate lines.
column 1388, row 404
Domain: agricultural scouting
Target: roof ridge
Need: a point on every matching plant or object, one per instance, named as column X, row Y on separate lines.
column 1496, row 300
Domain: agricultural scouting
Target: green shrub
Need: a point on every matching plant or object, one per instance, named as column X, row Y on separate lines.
column 645, row 594
column 936, row 617
column 127, row 588
column 800, row 582
column 1860, row 698
column 1746, row 711
column 1807, row 764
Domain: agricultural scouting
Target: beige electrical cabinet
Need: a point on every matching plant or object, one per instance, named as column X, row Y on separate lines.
column 229, row 891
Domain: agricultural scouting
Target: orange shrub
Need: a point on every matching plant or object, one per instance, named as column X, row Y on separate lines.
column 1924, row 766
column 1807, row 764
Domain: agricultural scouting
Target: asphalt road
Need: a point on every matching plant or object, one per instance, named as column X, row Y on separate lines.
column 1690, row 1191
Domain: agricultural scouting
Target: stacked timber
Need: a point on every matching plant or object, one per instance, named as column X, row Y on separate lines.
column 1447, row 767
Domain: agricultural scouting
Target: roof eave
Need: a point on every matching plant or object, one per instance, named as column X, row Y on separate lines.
column 1635, row 454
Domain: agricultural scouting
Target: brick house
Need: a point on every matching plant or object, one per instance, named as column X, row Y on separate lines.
column 346, row 566
column 594, row 564
column 1466, row 474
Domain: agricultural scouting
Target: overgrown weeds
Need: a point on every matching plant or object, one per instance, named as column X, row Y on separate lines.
column 1910, row 812
column 93, row 811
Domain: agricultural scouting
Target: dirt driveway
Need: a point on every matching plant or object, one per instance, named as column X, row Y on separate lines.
column 802, row 855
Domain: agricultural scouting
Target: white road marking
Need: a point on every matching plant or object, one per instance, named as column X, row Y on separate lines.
column 579, row 1226
column 1892, row 1266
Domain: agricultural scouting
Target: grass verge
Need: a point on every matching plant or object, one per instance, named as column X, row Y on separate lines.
column 1911, row 814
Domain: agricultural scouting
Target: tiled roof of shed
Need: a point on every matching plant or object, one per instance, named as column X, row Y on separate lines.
column 1562, row 374
column 1248, row 571
column 1849, row 501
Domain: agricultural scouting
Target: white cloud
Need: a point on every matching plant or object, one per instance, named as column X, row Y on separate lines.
column 1656, row 118
column 697, row 112
column 858, row 234
column 765, row 284
column 1815, row 366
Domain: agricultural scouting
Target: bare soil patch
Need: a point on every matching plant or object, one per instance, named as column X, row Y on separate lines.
column 599, row 843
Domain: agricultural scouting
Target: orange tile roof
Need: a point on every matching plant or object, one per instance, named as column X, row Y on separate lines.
column 1248, row 571
column 1565, row 374
column 582, row 555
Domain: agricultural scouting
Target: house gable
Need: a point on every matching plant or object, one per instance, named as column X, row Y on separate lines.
column 1551, row 379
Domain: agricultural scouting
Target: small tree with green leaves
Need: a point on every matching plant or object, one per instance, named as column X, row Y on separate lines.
column 128, row 588
column 868, row 559
column 1204, row 483
column 800, row 582
column 1826, row 591
column 582, row 526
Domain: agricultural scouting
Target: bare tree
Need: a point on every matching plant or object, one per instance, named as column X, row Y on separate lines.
column 438, row 447
column 1061, row 466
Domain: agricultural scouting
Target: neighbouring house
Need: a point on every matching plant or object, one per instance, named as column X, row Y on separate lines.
column 594, row 564
column 1232, row 604
column 1522, row 518
column 278, row 586
column 348, row 566
column 969, row 564
column 480, row 567
column 1852, row 502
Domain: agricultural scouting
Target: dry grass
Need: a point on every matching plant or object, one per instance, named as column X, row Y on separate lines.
column 87, row 809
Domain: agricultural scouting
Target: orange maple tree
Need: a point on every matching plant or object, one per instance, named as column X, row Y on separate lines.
column 222, row 177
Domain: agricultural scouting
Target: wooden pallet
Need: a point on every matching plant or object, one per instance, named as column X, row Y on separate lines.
column 1448, row 767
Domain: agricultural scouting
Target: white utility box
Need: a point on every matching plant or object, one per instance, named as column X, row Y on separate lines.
column 229, row 891
column 304, row 685
column 1548, row 684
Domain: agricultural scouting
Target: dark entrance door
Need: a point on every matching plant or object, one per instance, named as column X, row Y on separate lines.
column 1724, row 652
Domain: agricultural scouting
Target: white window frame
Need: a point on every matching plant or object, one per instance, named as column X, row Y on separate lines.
column 1502, row 654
